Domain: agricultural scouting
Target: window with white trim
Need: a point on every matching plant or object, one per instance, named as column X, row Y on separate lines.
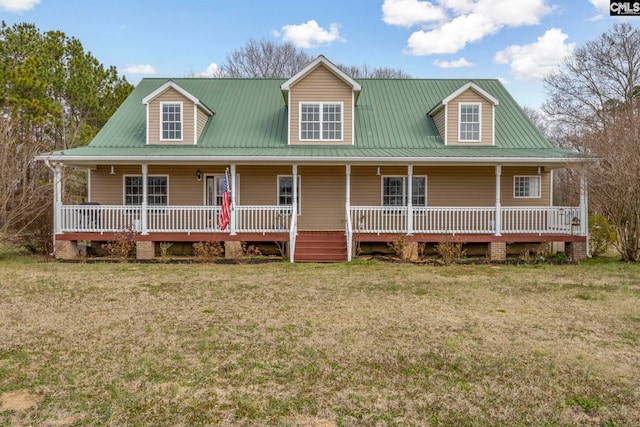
column 321, row 121
column 526, row 186
column 395, row 191
column 171, row 120
column 469, row 122
column 285, row 191
column 157, row 190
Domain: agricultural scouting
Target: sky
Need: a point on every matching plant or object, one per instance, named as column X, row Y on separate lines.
column 516, row 41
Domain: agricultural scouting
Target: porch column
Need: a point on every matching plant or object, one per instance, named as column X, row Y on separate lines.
column 584, row 214
column 233, row 219
column 57, row 201
column 348, row 210
column 409, row 200
column 294, row 214
column 145, row 195
column 498, row 221
column 294, row 202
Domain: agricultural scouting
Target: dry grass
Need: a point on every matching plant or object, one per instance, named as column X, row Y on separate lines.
column 320, row 345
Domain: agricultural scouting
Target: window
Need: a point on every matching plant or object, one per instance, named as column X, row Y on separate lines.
column 285, row 191
column 157, row 190
column 526, row 186
column 394, row 191
column 171, row 121
column 469, row 123
column 321, row 122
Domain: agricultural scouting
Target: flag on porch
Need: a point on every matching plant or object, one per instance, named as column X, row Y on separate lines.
column 225, row 210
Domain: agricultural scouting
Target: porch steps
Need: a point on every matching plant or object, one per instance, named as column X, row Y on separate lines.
column 321, row 246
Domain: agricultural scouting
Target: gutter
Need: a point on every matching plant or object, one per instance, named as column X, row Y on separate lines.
column 302, row 159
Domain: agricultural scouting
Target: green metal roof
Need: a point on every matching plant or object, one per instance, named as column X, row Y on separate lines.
column 250, row 121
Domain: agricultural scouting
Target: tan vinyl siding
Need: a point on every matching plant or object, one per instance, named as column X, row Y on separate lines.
column 323, row 198
column 321, row 85
column 461, row 186
column 202, row 121
column 439, row 119
column 486, row 120
column 188, row 117
column 184, row 188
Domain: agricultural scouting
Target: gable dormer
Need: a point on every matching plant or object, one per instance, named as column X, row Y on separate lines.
column 466, row 117
column 321, row 101
column 174, row 116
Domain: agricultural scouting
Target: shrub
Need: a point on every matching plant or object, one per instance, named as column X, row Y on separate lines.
column 164, row 251
column 451, row 250
column 601, row 234
column 123, row 246
column 208, row 251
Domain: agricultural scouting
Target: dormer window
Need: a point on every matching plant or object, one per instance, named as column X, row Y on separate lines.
column 469, row 130
column 171, row 120
column 321, row 121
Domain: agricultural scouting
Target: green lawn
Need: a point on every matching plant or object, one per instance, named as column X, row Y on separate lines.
column 319, row 345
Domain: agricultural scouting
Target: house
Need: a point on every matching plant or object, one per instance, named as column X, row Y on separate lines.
column 322, row 162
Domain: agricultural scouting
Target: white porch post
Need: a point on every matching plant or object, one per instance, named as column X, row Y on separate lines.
column 409, row 200
column 145, row 195
column 294, row 214
column 584, row 214
column 233, row 218
column 294, row 202
column 348, row 210
column 57, row 199
column 498, row 221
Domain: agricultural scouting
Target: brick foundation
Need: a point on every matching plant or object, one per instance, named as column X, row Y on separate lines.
column 497, row 251
column 145, row 250
column 233, row 250
column 66, row 249
column 579, row 250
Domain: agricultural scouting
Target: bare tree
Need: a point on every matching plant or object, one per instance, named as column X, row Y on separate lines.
column 265, row 59
column 594, row 100
column 25, row 195
column 269, row 59
column 366, row 72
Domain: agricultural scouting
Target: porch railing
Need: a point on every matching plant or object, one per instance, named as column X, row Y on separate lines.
column 363, row 219
column 466, row 220
column 263, row 219
column 167, row 219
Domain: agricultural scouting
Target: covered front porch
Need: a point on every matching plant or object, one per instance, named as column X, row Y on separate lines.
column 277, row 222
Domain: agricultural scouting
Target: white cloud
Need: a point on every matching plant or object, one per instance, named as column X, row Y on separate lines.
column 601, row 5
column 140, row 69
column 450, row 37
column 18, row 5
column 407, row 13
column 213, row 70
column 503, row 81
column 534, row 61
column 458, row 63
column 309, row 35
column 450, row 25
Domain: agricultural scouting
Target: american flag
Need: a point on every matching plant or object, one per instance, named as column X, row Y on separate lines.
column 225, row 210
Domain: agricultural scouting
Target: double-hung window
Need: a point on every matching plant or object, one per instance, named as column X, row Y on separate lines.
column 157, row 190
column 321, row 121
column 469, row 122
column 171, row 119
column 526, row 186
column 285, row 191
column 395, row 191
